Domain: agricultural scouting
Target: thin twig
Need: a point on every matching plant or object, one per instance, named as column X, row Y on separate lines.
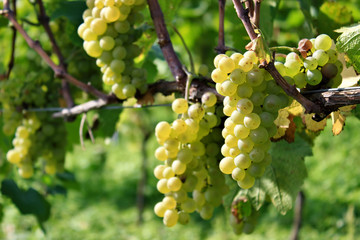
column 256, row 15
column 13, row 42
column 192, row 67
column 57, row 69
column 90, row 131
column 221, row 40
column 165, row 42
column 244, row 17
column 44, row 20
column 81, row 129
column 300, row 200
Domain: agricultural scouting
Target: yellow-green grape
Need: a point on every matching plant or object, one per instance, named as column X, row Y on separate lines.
column 252, row 121
column 241, row 132
column 227, row 165
column 163, row 129
column 242, row 161
column 245, row 106
column 237, row 117
column 228, row 88
column 117, row 90
column 238, row 76
column 179, row 105
column 160, row 153
column 89, row 35
column 174, row 184
column 162, row 186
column 218, row 76
column 111, row 13
column 209, row 99
column 196, row 111
column 185, row 155
column 245, row 145
column 323, row 42
column 231, row 141
column 98, row 26
column 189, row 205
column 13, row 156
column 93, row 49
column 280, row 67
column 170, row 217
column 218, row 58
column 129, row 90
column 251, row 55
column 159, row 209
column 107, row 43
column 168, row 173
column 178, row 167
column 246, row 64
column 179, row 126
column 206, row 211
column 226, row 64
column 236, row 57
column 26, row 171
column 169, row 202
column 22, row 132
column 158, row 171
column 184, row 217
column 238, row 174
column 247, row 182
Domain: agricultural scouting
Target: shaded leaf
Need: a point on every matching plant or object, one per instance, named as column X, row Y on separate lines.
column 268, row 13
column 349, row 43
column 27, row 201
column 284, row 177
column 72, row 10
column 256, row 194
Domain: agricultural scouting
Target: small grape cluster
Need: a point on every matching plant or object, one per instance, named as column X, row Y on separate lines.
column 109, row 35
column 19, row 155
column 316, row 67
column 189, row 151
column 252, row 100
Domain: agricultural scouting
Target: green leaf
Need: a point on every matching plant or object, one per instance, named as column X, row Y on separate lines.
column 349, row 43
column 305, row 6
column 107, row 122
column 72, row 10
column 27, row 201
column 284, row 177
column 267, row 16
column 256, row 194
column 4, row 22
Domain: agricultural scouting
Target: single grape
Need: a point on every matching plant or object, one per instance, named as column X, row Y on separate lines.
column 313, row 77
column 323, row 42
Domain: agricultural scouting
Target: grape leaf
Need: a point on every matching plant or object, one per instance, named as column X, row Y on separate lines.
column 313, row 125
column 256, row 194
column 27, row 201
column 349, row 43
column 284, row 177
column 72, row 10
column 267, row 15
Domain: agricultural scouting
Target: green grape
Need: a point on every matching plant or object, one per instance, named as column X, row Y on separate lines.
column 313, row 77
column 107, row 43
column 254, row 77
column 179, row 126
column 26, row 171
column 185, row 155
column 247, row 182
column 206, row 211
column 257, row 98
column 281, row 68
column 272, row 103
column 273, row 88
column 310, row 63
column 93, row 49
column 333, row 55
column 300, row 80
column 335, row 81
column 238, row 174
column 267, row 119
column 212, row 196
column 251, row 55
column 244, row 90
column 259, row 135
column 237, row 117
column 321, row 56
column 257, row 154
column 238, row 76
column 180, row 196
column 323, row 42
column 293, row 56
column 244, row 106
column 245, row 145
column 256, row 170
column 292, row 67
column 228, row 88
column 242, row 161
column 252, row 121
column 241, row 132
column 184, row 217
column 196, row 111
column 189, row 205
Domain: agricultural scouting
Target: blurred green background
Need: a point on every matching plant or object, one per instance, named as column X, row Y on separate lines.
column 96, row 198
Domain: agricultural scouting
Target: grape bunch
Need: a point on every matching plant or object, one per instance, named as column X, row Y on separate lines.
column 109, row 35
column 316, row 67
column 189, row 177
column 252, row 100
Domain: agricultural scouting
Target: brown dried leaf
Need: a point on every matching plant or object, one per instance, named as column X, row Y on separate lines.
column 290, row 131
column 338, row 121
column 147, row 99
